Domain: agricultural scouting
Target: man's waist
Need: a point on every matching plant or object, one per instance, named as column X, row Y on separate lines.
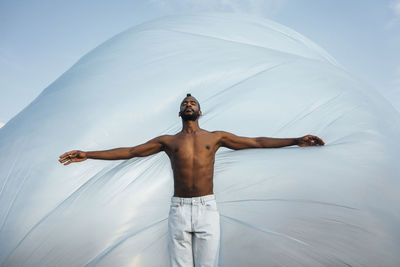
column 190, row 200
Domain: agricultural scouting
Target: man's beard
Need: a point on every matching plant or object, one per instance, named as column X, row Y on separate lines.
column 190, row 117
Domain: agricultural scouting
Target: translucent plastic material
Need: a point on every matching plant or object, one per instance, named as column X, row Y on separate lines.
column 336, row 205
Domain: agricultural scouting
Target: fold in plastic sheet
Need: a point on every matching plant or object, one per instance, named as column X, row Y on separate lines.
column 336, row 205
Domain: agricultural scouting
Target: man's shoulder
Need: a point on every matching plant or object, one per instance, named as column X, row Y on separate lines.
column 163, row 138
column 220, row 133
column 215, row 133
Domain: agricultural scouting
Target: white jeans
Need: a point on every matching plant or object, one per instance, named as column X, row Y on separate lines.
column 193, row 232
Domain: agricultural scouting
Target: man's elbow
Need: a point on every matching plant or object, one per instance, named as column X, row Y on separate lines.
column 258, row 143
column 131, row 153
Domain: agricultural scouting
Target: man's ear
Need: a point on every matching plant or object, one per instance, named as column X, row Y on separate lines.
column 200, row 113
column 179, row 114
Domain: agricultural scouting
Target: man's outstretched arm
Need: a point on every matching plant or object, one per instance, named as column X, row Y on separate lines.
column 149, row 148
column 235, row 142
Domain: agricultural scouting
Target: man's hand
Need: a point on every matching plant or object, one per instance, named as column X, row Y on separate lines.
column 72, row 156
column 310, row 140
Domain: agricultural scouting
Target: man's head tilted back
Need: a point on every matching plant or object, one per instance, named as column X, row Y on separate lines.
column 190, row 108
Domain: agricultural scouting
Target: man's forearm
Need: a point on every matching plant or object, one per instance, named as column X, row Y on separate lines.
column 112, row 154
column 267, row 142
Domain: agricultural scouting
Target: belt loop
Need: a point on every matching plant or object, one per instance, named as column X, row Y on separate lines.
column 181, row 201
column 203, row 201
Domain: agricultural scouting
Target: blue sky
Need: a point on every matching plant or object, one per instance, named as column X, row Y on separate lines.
column 40, row 40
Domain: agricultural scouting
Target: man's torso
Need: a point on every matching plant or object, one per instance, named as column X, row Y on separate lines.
column 192, row 158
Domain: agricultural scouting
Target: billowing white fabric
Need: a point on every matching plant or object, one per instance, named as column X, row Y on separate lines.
column 336, row 205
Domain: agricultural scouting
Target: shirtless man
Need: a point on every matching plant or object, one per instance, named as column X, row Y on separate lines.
column 193, row 222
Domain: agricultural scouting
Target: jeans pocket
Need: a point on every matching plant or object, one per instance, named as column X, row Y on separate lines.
column 174, row 206
column 211, row 205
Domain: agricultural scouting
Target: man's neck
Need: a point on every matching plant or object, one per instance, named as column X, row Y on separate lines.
column 190, row 126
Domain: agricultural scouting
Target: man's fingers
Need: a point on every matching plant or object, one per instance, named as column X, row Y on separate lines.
column 311, row 140
column 65, row 159
column 314, row 141
column 319, row 141
column 69, row 157
column 69, row 153
column 71, row 160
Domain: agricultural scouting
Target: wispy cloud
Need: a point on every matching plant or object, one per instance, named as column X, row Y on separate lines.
column 393, row 92
column 396, row 80
column 2, row 124
column 260, row 7
column 395, row 8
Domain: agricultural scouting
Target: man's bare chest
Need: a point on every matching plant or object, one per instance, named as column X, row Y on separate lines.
column 191, row 146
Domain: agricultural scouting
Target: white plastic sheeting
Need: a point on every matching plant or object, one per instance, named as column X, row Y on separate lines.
column 335, row 205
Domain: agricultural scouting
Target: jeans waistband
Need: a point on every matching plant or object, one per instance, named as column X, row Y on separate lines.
column 191, row 200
